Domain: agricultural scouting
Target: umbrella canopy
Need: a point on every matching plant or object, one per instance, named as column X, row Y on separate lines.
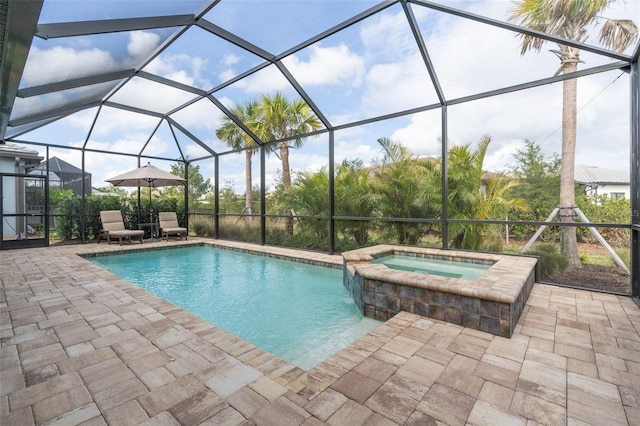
column 149, row 176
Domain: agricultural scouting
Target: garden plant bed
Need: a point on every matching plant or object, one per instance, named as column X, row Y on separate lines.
column 597, row 277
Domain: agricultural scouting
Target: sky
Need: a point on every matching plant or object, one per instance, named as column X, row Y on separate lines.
column 370, row 69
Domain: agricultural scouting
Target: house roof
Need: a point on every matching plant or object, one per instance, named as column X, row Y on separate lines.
column 59, row 166
column 13, row 150
column 589, row 175
column 30, row 156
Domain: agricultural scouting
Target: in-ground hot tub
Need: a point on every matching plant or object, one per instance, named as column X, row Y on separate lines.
column 492, row 302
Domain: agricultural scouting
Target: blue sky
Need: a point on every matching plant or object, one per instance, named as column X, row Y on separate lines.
column 370, row 69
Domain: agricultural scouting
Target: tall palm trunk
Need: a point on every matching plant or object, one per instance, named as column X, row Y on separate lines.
column 570, row 19
column 286, row 182
column 248, row 200
column 568, row 239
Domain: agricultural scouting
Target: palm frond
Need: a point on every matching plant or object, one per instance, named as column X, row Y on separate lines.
column 618, row 34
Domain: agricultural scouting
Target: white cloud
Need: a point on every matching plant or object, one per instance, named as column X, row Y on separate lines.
column 393, row 87
column 422, row 136
column 387, row 37
column 151, row 96
column 202, row 115
column 157, row 146
column 181, row 68
column 351, row 149
column 267, row 80
column 141, row 43
column 193, row 150
column 328, row 66
column 230, row 59
column 82, row 119
column 65, row 61
column 115, row 121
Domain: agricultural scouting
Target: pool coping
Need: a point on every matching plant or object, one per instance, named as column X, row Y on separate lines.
column 493, row 302
column 274, row 252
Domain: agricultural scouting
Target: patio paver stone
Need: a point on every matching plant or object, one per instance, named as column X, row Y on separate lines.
column 79, row 345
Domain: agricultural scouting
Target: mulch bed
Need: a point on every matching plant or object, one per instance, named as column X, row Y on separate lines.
column 597, row 277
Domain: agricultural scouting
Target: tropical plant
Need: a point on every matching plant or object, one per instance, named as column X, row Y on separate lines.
column 570, row 19
column 551, row 260
column 474, row 194
column 234, row 136
column 310, row 197
column 353, row 196
column 407, row 187
column 286, row 122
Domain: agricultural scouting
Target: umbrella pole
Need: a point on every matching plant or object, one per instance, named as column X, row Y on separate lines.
column 150, row 214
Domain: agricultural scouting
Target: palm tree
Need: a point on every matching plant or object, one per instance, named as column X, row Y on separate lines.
column 237, row 138
column 354, row 197
column 309, row 196
column 473, row 195
column 570, row 19
column 407, row 188
column 281, row 119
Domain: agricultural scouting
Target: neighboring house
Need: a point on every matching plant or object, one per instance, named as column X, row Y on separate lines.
column 16, row 160
column 64, row 176
column 616, row 184
column 97, row 191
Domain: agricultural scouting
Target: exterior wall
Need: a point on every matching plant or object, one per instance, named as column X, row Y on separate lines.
column 608, row 189
column 9, row 200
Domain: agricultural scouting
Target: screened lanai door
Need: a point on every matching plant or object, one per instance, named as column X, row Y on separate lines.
column 24, row 216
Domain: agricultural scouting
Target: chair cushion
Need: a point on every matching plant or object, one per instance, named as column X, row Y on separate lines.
column 174, row 230
column 112, row 220
column 126, row 232
column 168, row 220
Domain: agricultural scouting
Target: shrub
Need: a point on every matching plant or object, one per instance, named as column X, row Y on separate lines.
column 202, row 228
column 551, row 260
column 625, row 255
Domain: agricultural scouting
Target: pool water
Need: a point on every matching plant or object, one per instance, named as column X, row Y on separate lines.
column 444, row 268
column 300, row 313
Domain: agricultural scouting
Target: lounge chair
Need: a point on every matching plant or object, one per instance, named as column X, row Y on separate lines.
column 169, row 225
column 113, row 228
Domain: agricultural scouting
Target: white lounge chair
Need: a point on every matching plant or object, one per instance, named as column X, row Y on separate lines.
column 169, row 225
column 113, row 228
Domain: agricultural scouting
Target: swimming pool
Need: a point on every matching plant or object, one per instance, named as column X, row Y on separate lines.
column 443, row 268
column 301, row 313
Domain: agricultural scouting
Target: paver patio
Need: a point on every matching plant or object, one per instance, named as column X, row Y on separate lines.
column 80, row 345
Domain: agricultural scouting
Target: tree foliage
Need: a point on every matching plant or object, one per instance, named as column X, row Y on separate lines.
column 236, row 137
column 354, row 197
column 472, row 195
column 406, row 187
column 274, row 118
column 539, row 177
column 198, row 185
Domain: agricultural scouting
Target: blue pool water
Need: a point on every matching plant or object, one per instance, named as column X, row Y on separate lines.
column 444, row 268
column 301, row 313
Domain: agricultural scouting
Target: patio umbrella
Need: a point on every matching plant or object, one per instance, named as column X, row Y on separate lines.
column 149, row 176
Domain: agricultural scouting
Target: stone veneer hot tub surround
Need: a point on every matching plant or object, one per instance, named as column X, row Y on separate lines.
column 492, row 302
